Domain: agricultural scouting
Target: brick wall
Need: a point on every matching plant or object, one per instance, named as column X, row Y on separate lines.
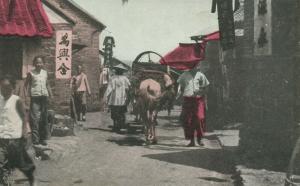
column 46, row 47
column 87, row 33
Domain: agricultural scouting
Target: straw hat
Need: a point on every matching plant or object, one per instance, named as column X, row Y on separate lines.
column 120, row 67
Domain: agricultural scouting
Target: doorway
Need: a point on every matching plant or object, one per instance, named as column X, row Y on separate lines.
column 11, row 55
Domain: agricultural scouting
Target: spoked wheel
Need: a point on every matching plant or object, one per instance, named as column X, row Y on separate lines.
column 150, row 59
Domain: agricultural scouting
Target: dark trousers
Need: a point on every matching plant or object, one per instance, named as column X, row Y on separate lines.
column 101, row 97
column 14, row 155
column 80, row 103
column 118, row 116
column 39, row 118
column 193, row 117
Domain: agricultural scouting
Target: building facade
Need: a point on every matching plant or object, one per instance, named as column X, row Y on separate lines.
column 64, row 15
column 270, row 69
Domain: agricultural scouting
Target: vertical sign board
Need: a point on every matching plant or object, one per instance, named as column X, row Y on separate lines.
column 105, row 76
column 226, row 24
column 63, row 54
column 262, row 27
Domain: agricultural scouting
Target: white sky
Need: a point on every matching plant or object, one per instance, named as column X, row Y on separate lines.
column 157, row 25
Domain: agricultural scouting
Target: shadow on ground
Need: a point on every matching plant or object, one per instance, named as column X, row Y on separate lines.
column 211, row 159
column 213, row 179
column 127, row 141
column 173, row 118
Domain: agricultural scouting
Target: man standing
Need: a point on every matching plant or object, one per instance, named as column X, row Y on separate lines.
column 13, row 134
column 80, row 87
column 37, row 83
column 193, row 86
column 117, row 96
column 169, row 85
column 103, row 82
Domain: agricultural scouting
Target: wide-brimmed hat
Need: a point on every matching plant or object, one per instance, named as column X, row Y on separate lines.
column 120, row 67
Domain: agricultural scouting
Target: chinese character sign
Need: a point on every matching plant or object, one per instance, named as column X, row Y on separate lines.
column 105, row 76
column 262, row 27
column 63, row 55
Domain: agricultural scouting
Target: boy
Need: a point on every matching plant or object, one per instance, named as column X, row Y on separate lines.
column 80, row 87
column 12, row 133
column 40, row 92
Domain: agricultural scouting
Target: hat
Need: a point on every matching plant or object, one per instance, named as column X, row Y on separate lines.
column 120, row 67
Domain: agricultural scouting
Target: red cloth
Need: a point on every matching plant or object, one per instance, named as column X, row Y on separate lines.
column 187, row 56
column 193, row 117
column 24, row 18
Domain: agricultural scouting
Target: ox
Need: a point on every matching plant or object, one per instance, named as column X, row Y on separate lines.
column 149, row 100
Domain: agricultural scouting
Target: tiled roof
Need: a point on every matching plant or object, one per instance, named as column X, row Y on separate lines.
column 24, row 18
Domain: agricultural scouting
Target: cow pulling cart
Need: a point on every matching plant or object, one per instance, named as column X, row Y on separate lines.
column 146, row 66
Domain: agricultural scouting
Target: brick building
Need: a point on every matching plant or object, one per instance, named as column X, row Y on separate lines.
column 63, row 15
column 269, row 69
column 257, row 83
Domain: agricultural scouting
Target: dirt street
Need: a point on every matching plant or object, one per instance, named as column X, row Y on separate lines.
column 97, row 157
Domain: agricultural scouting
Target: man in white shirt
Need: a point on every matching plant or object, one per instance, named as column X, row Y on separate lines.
column 103, row 83
column 13, row 134
column 193, row 87
column 117, row 96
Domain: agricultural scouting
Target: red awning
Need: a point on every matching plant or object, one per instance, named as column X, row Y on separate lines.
column 24, row 18
column 212, row 36
column 187, row 56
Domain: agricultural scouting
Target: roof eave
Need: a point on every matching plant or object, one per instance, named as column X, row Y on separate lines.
column 98, row 24
column 69, row 19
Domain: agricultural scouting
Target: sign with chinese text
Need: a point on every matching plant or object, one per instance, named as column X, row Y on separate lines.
column 105, row 76
column 262, row 27
column 63, row 54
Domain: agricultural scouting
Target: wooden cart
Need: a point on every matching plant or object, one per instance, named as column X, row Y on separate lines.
column 146, row 66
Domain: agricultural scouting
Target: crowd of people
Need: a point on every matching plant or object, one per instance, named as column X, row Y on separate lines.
column 17, row 123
